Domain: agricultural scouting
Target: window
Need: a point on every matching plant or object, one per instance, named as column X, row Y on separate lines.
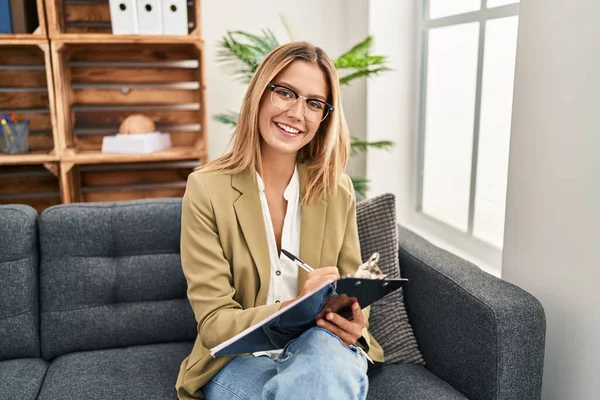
column 467, row 65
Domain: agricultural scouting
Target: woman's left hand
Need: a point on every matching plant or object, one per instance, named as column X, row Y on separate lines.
column 348, row 331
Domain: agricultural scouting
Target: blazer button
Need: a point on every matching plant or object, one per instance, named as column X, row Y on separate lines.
column 277, row 273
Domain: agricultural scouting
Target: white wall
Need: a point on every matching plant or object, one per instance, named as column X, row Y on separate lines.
column 552, row 225
column 391, row 106
column 334, row 25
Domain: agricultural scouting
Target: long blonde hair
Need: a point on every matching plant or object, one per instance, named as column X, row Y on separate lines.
column 324, row 157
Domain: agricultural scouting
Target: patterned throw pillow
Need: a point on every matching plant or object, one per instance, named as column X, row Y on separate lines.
column 388, row 321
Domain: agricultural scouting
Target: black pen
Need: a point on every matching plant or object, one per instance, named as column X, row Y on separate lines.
column 298, row 261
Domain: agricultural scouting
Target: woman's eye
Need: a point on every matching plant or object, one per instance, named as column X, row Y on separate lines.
column 315, row 104
column 285, row 93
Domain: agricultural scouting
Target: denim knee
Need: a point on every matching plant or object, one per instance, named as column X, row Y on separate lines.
column 335, row 371
column 328, row 349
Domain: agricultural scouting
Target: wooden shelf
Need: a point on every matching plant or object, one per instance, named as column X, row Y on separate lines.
column 108, row 38
column 22, row 39
column 95, row 157
column 32, row 184
column 26, row 88
column 26, row 158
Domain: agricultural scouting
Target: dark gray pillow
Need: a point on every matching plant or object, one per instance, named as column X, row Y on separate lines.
column 388, row 322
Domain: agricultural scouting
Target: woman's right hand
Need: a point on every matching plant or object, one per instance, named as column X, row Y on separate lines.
column 315, row 279
column 318, row 277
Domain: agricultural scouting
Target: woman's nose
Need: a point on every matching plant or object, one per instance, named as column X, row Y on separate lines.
column 297, row 110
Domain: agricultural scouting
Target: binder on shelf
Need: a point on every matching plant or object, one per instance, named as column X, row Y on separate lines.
column 175, row 18
column 5, row 19
column 149, row 17
column 124, row 17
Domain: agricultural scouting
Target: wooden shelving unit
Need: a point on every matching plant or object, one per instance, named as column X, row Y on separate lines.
column 92, row 81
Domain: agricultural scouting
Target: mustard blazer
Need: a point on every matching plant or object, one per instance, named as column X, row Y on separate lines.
column 225, row 259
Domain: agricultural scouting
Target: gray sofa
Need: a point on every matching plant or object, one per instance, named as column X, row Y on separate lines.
column 93, row 305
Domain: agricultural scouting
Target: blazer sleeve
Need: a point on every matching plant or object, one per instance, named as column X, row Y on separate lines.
column 208, row 274
column 350, row 257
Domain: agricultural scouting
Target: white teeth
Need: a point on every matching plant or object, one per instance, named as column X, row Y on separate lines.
column 287, row 128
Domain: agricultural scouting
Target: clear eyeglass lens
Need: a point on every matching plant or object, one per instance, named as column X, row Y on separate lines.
column 285, row 99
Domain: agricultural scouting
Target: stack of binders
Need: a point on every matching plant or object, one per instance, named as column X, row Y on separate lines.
column 148, row 17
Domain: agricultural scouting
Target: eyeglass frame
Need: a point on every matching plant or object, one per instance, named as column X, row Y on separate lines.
column 328, row 106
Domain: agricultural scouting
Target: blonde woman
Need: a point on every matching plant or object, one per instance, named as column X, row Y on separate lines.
column 281, row 186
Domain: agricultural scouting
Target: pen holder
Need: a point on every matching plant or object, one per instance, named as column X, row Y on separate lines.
column 15, row 137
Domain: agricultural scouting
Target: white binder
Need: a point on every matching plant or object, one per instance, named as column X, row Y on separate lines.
column 149, row 17
column 123, row 16
column 175, row 18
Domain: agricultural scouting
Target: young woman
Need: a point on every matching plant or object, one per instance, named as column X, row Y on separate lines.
column 281, row 186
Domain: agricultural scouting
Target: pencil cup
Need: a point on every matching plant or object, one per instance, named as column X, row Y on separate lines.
column 15, row 138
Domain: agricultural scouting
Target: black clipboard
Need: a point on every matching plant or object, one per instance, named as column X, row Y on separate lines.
column 277, row 330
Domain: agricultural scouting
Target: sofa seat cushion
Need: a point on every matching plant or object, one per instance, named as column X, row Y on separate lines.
column 22, row 378
column 144, row 372
column 408, row 382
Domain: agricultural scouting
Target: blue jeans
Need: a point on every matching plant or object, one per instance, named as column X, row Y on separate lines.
column 314, row 366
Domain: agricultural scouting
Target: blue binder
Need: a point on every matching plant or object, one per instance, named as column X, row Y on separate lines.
column 287, row 324
column 5, row 21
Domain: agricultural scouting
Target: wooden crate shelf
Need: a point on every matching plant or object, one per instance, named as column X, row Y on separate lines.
column 92, row 157
column 128, row 181
column 26, row 87
column 28, row 158
column 34, row 185
column 109, row 38
column 40, row 34
column 78, row 19
column 98, row 85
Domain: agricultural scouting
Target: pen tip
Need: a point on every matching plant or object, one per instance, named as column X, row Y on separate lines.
column 288, row 254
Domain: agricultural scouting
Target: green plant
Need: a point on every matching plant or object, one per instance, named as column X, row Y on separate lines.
column 240, row 53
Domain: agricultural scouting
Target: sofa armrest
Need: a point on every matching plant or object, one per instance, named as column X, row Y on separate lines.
column 482, row 335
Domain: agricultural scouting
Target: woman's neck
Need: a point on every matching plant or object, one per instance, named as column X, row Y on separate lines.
column 277, row 170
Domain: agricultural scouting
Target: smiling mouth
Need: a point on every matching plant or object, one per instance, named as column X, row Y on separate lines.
column 288, row 128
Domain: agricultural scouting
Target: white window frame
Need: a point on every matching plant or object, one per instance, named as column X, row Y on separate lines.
column 455, row 238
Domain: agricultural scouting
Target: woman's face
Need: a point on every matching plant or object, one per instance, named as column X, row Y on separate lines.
column 287, row 131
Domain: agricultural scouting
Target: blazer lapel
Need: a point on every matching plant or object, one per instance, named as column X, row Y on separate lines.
column 248, row 211
column 312, row 231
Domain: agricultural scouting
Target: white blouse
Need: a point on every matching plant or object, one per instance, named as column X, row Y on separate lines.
column 284, row 273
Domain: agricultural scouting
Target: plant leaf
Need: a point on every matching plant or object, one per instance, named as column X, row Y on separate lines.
column 287, row 27
column 228, row 118
column 361, row 185
column 241, row 52
column 345, row 80
column 360, row 146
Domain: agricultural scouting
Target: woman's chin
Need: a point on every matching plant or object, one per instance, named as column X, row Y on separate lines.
column 283, row 146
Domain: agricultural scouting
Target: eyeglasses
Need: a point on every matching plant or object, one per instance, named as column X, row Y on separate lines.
column 284, row 98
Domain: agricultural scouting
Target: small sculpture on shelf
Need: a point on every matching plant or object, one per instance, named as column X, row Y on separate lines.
column 137, row 134
column 137, row 123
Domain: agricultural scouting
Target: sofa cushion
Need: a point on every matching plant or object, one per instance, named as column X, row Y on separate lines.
column 22, row 378
column 140, row 372
column 388, row 322
column 111, row 276
column 19, row 328
column 408, row 382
